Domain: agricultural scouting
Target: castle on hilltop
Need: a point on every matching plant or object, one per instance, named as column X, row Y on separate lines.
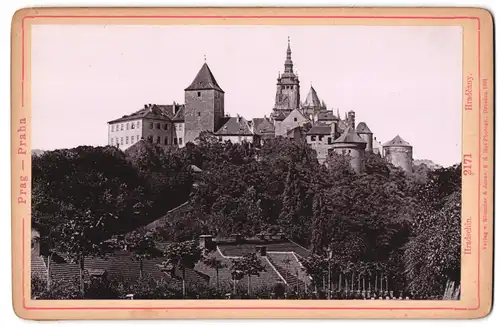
column 203, row 110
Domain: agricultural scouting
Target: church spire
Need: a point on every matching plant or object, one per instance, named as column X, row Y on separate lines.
column 288, row 50
column 288, row 61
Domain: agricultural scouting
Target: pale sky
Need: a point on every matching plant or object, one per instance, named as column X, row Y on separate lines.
column 399, row 80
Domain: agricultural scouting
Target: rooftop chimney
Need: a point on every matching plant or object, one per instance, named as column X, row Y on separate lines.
column 237, row 237
column 207, row 242
column 261, row 250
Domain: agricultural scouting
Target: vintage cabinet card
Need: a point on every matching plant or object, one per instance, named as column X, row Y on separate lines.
column 252, row 163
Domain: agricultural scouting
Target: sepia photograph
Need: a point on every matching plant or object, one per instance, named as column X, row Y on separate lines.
column 288, row 162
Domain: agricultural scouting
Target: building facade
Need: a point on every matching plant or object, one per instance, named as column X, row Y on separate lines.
column 204, row 111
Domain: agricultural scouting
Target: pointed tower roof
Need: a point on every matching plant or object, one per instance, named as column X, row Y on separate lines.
column 397, row 141
column 363, row 128
column 288, row 61
column 312, row 99
column 349, row 136
column 204, row 80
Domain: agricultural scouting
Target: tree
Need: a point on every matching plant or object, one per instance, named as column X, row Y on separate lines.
column 146, row 288
column 236, row 214
column 291, row 212
column 167, row 176
column 319, row 239
column 249, row 265
column 315, row 266
column 216, row 264
column 184, row 255
column 432, row 255
column 59, row 290
column 83, row 196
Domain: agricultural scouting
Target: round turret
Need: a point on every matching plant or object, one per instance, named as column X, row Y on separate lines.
column 350, row 143
column 399, row 153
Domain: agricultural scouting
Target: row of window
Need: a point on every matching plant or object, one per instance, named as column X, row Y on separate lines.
column 158, row 140
column 124, row 140
column 178, row 127
column 199, row 94
column 320, row 138
column 127, row 126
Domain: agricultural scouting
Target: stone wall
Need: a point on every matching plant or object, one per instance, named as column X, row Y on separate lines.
column 400, row 157
column 203, row 111
column 357, row 155
column 321, row 144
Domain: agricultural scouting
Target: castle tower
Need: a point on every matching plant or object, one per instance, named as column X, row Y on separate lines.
column 366, row 134
column 287, row 88
column 400, row 153
column 350, row 143
column 204, row 104
column 312, row 105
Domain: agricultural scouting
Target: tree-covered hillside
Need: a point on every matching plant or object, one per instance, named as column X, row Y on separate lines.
column 383, row 221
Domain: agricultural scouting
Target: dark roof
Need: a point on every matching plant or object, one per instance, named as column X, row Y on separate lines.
column 155, row 111
column 119, row 264
column 151, row 112
column 320, row 128
column 349, row 136
column 326, row 115
column 163, row 221
column 238, row 249
column 363, row 128
column 397, row 141
column 179, row 116
column 234, row 126
column 204, row 80
column 280, row 114
column 172, row 111
column 312, row 99
column 262, row 126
